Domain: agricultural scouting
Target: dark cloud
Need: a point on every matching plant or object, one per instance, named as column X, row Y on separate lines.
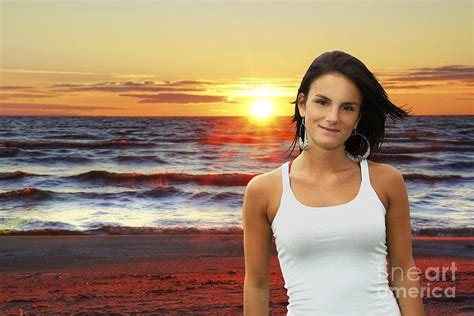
column 42, row 107
column 407, row 86
column 172, row 91
column 7, row 96
column 178, row 98
column 127, row 86
column 190, row 82
column 452, row 72
column 14, row 87
column 67, row 85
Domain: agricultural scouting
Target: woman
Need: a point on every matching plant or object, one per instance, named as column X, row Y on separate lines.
column 335, row 215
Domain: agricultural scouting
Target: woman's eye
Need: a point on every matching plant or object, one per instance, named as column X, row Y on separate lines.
column 348, row 108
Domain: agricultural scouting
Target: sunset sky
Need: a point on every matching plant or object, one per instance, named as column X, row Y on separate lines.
column 173, row 58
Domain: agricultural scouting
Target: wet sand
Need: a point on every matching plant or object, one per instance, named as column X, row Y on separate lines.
column 176, row 274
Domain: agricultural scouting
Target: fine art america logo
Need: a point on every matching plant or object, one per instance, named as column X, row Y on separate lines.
column 406, row 281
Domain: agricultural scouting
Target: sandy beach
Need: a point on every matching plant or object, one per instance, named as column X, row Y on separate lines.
column 176, row 274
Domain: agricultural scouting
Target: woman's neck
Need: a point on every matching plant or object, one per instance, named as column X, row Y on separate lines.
column 321, row 164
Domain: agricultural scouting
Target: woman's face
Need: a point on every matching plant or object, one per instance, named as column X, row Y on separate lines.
column 333, row 102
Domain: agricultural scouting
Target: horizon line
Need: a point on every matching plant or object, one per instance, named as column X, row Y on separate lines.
column 197, row 115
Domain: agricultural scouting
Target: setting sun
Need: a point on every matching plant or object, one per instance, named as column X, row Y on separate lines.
column 262, row 108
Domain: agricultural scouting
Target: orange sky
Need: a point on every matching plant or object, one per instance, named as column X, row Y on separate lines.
column 172, row 58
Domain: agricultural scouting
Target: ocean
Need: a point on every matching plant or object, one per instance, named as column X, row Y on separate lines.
column 142, row 175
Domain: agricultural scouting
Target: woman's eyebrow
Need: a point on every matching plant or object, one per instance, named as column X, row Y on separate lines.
column 325, row 97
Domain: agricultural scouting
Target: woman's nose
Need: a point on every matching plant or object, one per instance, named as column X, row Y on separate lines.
column 332, row 115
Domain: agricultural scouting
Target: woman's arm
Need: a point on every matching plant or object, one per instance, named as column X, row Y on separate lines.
column 405, row 276
column 257, row 246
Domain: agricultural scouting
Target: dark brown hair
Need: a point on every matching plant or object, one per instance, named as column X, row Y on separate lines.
column 375, row 107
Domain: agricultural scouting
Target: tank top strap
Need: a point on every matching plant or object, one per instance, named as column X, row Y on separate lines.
column 364, row 172
column 285, row 176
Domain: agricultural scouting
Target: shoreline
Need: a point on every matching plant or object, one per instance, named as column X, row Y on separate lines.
column 189, row 273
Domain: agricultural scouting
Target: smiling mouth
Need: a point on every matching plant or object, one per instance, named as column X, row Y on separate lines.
column 329, row 129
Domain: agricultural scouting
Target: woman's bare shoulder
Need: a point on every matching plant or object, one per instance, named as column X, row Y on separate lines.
column 267, row 180
column 382, row 178
column 261, row 191
column 265, row 187
column 382, row 170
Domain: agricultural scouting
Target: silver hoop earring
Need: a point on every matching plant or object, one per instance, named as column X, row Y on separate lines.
column 304, row 144
column 358, row 158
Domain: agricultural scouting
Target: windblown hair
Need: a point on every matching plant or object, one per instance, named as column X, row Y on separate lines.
column 375, row 107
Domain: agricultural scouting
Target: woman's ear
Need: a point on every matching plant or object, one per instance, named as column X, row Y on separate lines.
column 301, row 105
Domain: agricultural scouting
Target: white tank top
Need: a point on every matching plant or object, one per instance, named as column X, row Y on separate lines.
column 333, row 258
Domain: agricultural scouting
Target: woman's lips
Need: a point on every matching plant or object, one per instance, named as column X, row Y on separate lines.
column 329, row 129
